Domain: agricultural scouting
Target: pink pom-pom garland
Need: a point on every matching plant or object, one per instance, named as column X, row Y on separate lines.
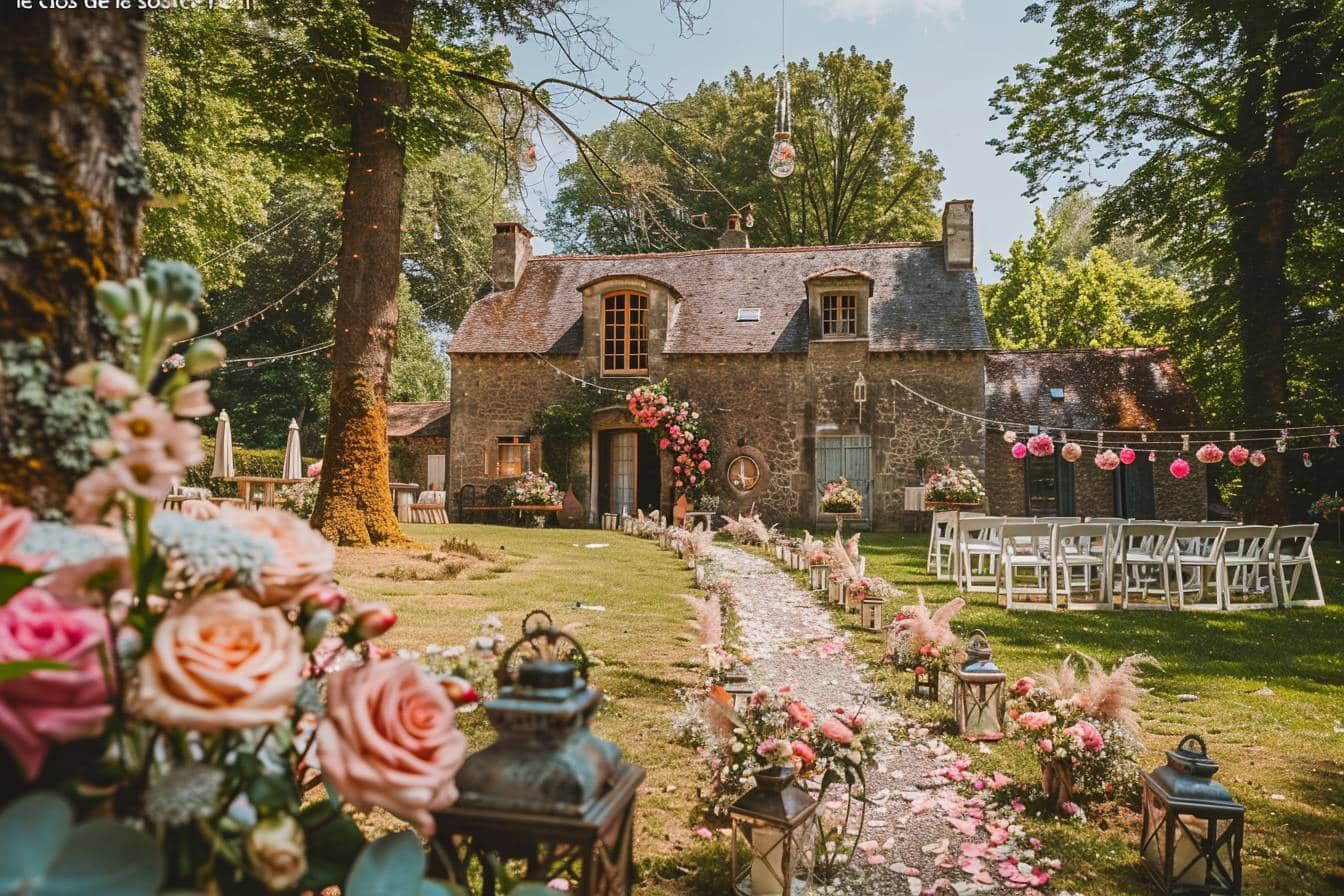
column 1107, row 460
column 1209, row 453
column 1019, row 450
column 1127, row 455
column 1257, row 458
column 1180, row 468
column 1041, row 445
column 1071, row 451
column 1238, row 455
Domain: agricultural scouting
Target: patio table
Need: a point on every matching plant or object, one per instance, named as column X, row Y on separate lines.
column 403, row 496
column 268, row 484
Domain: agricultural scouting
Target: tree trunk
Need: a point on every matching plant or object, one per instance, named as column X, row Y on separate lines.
column 71, row 188
column 1262, row 204
column 354, row 503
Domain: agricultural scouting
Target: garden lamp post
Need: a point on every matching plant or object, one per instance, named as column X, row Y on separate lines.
column 977, row 693
column 772, row 823
column 548, row 799
column 1192, row 828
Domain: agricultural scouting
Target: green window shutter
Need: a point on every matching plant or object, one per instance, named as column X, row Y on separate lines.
column 1064, row 487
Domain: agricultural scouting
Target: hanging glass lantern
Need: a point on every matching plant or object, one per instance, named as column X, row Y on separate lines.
column 1192, row 828
column 772, row 824
column 548, row 799
column 977, row 695
column 782, row 154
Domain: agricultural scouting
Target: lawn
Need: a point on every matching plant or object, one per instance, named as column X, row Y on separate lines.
column 1282, row 753
column 643, row 637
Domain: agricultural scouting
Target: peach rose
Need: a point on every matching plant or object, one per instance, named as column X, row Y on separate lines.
column 388, row 740
column 220, row 661
column 303, row 558
column 51, row 705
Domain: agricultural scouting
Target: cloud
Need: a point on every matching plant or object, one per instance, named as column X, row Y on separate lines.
column 872, row 10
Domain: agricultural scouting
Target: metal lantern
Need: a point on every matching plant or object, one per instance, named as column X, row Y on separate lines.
column 977, row 697
column 926, row 683
column 1192, row 828
column 772, row 823
column 860, row 393
column 816, row 576
column 853, row 598
column 870, row 613
column 736, row 683
column 548, row 799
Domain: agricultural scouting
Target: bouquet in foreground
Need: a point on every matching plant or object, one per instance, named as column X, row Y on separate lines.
column 175, row 683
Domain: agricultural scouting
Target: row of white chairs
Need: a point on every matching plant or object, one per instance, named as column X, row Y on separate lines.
column 1106, row 563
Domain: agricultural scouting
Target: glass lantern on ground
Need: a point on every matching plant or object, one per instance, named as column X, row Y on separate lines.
column 977, row 693
column 773, row 825
column 548, row 799
column 1192, row 828
column 870, row 613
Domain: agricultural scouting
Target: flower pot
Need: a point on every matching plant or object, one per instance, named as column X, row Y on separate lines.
column 926, row 685
column 1057, row 781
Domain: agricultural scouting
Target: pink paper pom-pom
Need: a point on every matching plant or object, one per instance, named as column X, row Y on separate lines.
column 1209, row 453
column 1127, row 456
column 1180, row 468
column 1071, row 451
column 1041, row 445
column 1257, row 458
column 1019, row 450
column 1238, row 455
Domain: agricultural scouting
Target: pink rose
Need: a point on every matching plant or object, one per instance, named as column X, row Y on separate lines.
column 303, row 558
column 1046, row 745
column 1087, row 734
column 51, row 705
column 1035, row 720
column 1023, row 685
column 836, row 730
column 388, row 740
column 315, row 469
column 704, row 444
column 664, row 443
column 220, row 661
column 704, row 466
column 803, row 753
column 800, row 714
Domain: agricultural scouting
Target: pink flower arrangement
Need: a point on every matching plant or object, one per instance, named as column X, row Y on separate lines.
column 1180, row 468
column 1087, row 735
column 1023, row 685
column 1035, row 720
column 1237, row 455
column 651, row 408
column 1257, row 458
column 1209, row 453
column 1019, row 450
column 1041, row 445
column 1127, row 456
column 1107, row 460
column 51, row 706
column 1071, row 452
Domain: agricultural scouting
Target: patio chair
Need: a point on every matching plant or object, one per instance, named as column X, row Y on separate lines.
column 1195, row 555
column 1030, row 547
column 1291, row 549
column 942, row 541
column 1142, row 566
column 428, row 508
column 978, row 553
column 1083, row 552
column 1108, row 520
column 1244, row 568
column 1059, row 520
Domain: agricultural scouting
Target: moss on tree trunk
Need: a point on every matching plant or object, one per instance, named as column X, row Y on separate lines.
column 354, row 504
column 71, row 188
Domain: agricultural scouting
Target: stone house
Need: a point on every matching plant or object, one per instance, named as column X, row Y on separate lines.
column 418, row 439
column 1095, row 389
column 791, row 354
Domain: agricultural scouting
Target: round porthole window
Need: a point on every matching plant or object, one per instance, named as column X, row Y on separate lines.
column 743, row 473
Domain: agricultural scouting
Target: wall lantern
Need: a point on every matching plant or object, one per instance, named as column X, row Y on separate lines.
column 977, row 697
column 1192, row 828
column 548, row 799
column 860, row 393
column 870, row 613
column 772, row 824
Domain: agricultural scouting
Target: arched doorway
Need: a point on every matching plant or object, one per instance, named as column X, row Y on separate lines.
column 626, row 465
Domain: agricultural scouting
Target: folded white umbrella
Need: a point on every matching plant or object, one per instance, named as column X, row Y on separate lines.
column 223, row 468
column 293, row 468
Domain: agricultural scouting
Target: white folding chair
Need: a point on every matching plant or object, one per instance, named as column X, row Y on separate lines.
column 978, row 552
column 1029, row 547
column 1291, row 549
column 1059, row 520
column 1142, row 557
column 1244, row 568
column 1195, row 555
column 1082, row 552
column 942, row 541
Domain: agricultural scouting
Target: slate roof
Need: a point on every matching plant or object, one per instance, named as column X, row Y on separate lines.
column 917, row 305
column 406, row 418
column 1126, row 388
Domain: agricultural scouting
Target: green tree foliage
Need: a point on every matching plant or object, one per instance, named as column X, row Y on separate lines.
column 1229, row 113
column 418, row 370
column 858, row 179
column 1051, row 298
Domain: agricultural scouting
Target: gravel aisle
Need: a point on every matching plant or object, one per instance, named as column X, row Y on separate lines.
column 922, row 836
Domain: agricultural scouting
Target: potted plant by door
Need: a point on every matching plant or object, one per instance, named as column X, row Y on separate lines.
column 954, row 489
column 842, row 500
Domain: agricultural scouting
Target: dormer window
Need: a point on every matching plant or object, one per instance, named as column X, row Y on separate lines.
column 839, row 314
column 625, row 333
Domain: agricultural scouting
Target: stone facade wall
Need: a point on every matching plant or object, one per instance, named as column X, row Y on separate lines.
column 410, row 456
column 1093, row 488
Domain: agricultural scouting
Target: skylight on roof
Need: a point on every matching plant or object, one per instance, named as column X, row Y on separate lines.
column 1057, row 393
column 748, row 314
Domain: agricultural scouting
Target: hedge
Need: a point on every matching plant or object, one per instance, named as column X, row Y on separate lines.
column 246, row 462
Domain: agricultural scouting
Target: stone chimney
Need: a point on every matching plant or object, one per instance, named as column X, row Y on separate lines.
column 512, row 249
column 958, row 235
column 734, row 237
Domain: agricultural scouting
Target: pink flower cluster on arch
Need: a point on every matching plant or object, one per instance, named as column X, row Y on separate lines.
column 680, row 432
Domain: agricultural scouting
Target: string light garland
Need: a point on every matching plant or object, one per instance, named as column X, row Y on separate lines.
column 234, row 364
column 260, row 313
column 252, row 239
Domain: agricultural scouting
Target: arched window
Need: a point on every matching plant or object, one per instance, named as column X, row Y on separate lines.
column 625, row 333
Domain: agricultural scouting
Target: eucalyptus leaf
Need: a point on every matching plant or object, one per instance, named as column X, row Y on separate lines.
column 107, row 858
column 393, row 865
column 32, row 830
column 20, row 668
column 442, row 888
column 333, row 843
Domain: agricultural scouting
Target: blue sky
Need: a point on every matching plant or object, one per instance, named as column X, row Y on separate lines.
column 950, row 53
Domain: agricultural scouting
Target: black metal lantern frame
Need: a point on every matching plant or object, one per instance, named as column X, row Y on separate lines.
column 978, row 691
column 773, row 824
column 926, row 684
column 548, row 798
column 1192, row 831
